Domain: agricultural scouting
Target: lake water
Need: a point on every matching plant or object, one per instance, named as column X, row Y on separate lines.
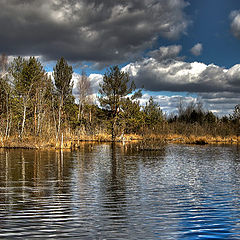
column 105, row 191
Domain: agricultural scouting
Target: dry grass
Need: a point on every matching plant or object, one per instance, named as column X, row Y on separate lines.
column 208, row 139
column 72, row 142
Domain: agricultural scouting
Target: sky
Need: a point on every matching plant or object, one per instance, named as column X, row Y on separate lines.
column 178, row 50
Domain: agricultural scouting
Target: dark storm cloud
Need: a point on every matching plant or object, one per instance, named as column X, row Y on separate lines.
column 225, row 96
column 102, row 31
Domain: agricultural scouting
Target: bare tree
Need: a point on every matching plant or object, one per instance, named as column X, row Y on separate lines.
column 84, row 91
column 3, row 65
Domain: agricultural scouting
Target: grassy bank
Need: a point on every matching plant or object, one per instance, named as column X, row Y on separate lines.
column 73, row 142
column 208, row 139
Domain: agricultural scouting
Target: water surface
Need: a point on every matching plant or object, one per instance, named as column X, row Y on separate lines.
column 105, row 191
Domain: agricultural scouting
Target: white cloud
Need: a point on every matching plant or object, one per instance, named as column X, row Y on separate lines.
column 235, row 24
column 95, row 79
column 219, row 103
column 196, row 50
column 178, row 76
column 166, row 53
column 218, row 87
column 168, row 104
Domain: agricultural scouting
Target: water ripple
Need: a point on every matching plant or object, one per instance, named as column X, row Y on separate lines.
column 114, row 192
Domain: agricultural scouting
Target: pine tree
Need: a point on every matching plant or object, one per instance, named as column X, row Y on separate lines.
column 62, row 73
column 115, row 87
column 153, row 114
column 27, row 76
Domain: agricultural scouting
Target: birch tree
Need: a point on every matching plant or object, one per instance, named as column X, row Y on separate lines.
column 84, row 91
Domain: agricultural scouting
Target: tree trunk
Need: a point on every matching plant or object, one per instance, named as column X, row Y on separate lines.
column 35, row 119
column 24, row 118
column 7, row 126
column 39, row 124
column 59, row 117
column 54, row 117
column 113, row 132
column 79, row 111
column 40, row 114
column 90, row 115
column 113, row 128
column 10, row 124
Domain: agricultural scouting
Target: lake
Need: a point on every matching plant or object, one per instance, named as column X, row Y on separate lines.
column 107, row 191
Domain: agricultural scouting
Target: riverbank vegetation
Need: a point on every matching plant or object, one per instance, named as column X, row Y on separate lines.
column 39, row 110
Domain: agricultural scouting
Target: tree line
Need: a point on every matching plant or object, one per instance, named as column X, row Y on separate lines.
column 33, row 103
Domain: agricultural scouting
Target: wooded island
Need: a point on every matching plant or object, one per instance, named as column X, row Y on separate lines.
column 37, row 110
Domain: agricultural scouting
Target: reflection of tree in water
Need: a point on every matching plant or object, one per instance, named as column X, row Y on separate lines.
column 150, row 153
column 30, row 175
column 114, row 189
column 34, row 185
column 123, row 190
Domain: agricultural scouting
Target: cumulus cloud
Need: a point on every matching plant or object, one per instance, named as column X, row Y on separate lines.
column 166, row 53
column 95, row 79
column 168, row 104
column 178, row 76
column 235, row 23
column 101, row 31
column 219, row 88
column 219, row 103
column 196, row 50
column 219, row 96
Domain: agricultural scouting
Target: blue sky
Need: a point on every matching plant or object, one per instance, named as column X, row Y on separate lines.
column 211, row 27
column 177, row 49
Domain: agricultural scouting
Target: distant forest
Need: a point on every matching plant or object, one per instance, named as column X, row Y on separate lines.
column 34, row 104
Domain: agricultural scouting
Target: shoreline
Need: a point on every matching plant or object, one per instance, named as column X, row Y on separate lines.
column 74, row 144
